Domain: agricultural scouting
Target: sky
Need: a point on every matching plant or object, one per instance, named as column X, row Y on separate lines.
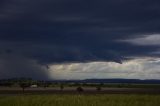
column 80, row 39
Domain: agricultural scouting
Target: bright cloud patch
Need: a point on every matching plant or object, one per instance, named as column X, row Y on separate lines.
column 153, row 39
column 147, row 68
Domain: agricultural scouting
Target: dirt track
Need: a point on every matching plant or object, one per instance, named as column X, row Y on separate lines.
column 6, row 90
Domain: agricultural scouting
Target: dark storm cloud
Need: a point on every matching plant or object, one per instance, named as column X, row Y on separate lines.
column 12, row 65
column 58, row 31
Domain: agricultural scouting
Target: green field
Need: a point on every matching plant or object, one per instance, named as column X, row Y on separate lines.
column 81, row 100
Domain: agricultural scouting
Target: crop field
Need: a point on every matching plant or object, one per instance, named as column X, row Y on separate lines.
column 140, row 95
column 81, row 100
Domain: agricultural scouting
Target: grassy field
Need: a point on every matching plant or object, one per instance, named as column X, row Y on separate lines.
column 80, row 100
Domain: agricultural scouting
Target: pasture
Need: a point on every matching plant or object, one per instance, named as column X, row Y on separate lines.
column 80, row 100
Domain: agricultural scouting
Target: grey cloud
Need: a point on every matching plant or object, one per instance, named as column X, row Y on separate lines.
column 60, row 31
column 12, row 66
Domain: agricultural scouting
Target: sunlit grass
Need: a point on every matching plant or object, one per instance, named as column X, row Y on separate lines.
column 80, row 100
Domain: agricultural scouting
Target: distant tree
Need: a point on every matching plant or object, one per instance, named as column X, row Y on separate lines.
column 80, row 89
column 61, row 87
column 76, row 84
column 98, row 88
column 102, row 84
column 41, row 83
column 6, row 84
column 45, row 85
column 24, row 85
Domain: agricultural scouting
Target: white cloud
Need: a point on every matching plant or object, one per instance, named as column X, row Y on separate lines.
column 152, row 39
column 146, row 68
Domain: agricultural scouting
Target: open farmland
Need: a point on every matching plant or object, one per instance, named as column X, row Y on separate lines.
column 73, row 90
column 81, row 100
column 93, row 94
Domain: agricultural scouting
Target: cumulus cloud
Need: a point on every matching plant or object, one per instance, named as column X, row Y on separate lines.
column 144, row 68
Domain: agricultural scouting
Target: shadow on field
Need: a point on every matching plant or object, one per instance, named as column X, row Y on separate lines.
column 79, row 90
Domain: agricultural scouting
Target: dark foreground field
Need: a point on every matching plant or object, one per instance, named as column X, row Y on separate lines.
column 69, row 96
column 81, row 100
column 72, row 90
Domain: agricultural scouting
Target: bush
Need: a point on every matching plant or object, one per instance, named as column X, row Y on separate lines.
column 98, row 88
column 61, row 87
column 80, row 89
column 24, row 85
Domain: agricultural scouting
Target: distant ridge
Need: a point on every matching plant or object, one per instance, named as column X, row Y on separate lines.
column 138, row 81
column 114, row 80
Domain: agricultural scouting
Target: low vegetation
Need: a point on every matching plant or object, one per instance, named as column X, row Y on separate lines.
column 80, row 100
column 27, row 82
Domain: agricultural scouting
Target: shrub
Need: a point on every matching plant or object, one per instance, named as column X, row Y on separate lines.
column 80, row 89
column 98, row 88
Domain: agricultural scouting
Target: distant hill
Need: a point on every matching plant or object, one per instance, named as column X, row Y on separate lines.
column 138, row 81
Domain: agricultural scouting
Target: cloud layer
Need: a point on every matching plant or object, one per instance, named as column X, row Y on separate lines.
column 78, row 31
column 12, row 66
column 146, row 68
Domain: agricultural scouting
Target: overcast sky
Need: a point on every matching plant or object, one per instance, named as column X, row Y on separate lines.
column 79, row 39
